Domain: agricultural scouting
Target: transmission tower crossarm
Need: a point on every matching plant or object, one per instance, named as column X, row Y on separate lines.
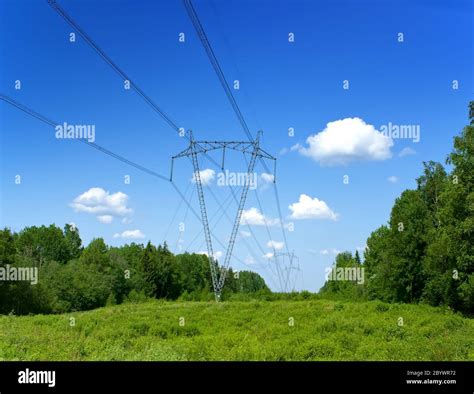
column 266, row 155
column 184, row 153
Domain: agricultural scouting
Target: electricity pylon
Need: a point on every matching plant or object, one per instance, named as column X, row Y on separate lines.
column 293, row 265
column 202, row 147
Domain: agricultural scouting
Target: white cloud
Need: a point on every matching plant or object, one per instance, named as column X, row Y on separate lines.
column 265, row 180
column 268, row 256
column 107, row 219
column 311, row 208
column 347, row 140
column 326, row 252
column 296, row 147
column 106, row 206
column 407, row 152
column 245, row 234
column 249, row 260
column 253, row 217
column 275, row 245
column 207, row 176
column 392, row 179
column 130, row 234
column 266, row 177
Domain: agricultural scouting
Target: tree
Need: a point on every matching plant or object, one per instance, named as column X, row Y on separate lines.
column 77, row 286
column 148, row 268
column 73, row 241
column 168, row 276
column 410, row 222
column 450, row 259
column 96, row 253
column 195, row 272
column 378, row 271
column 357, row 258
column 431, row 186
column 43, row 244
column 346, row 287
column 250, row 282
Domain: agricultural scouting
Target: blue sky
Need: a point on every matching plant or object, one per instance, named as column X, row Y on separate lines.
column 282, row 84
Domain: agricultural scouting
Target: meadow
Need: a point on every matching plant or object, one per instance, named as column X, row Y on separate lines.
column 242, row 330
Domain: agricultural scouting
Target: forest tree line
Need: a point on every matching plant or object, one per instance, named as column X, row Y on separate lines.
column 426, row 251
column 76, row 278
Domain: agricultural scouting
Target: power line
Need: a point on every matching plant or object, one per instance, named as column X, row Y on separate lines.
column 215, row 64
column 48, row 121
column 277, row 197
column 111, row 63
column 44, row 119
column 221, row 207
column 237, row 70
column 268, row 234
column 184, row 220
column 224, row 213
column 165, row 235
column 192, row 151
column 227, row 201
column 220, row 74
column 54, row 4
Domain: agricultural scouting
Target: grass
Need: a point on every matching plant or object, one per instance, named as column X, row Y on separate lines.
column 254, row 330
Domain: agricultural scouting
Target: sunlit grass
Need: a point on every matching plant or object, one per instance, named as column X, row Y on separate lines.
column 254, row 330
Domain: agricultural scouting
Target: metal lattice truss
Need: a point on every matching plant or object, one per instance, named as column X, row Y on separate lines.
column 293, row 265
column 202, row 147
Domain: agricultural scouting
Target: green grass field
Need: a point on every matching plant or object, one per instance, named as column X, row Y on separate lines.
column 256, row 330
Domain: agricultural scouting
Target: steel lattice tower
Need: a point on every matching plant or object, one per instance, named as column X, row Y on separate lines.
column 202, row 147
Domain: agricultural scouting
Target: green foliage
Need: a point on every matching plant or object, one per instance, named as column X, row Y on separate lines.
column 77, row 286
column 168, row 276
column 426, row 253
column 73, row 278
column 7, row 247
column 96, row 253
column 348, row 289
column 195, row 272
column 236, row 331
column 43, row 244
column 73, row 241
column 250, row 282
column 409, row 224
column 21, row 297
column 136, row 297
column 161, row 273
